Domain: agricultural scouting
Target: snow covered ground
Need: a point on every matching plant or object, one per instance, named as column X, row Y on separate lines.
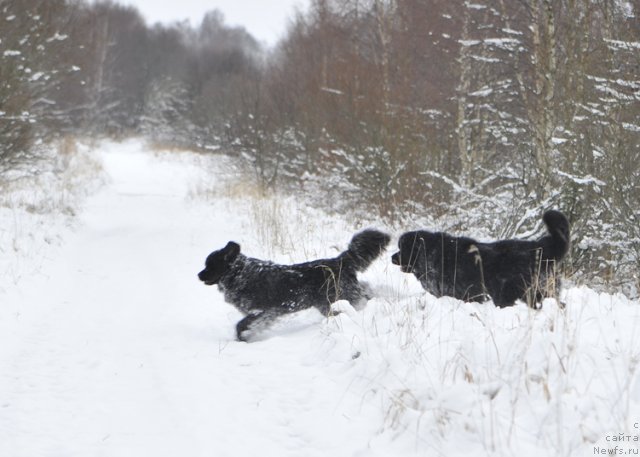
column 110, row 346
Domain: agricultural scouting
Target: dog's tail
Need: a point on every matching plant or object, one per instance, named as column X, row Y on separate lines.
column 558, row 227
column 364, row 248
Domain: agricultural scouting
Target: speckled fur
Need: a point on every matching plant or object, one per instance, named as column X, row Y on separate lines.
column 263, row 290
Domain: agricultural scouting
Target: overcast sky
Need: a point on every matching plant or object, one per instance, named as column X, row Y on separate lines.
column 266, row 20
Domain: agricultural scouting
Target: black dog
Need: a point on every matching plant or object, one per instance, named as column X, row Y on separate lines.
column 263, row 290
column 504, row 271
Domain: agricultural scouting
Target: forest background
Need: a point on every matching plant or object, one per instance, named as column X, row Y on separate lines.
column 466, row 116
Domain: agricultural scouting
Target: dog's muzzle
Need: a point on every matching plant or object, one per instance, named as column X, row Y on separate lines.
column 395, row 258
column 202, row 278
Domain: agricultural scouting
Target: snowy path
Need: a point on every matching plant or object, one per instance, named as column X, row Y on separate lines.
column 116, row 349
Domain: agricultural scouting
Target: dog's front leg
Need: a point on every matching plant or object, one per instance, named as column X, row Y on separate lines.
column 243, row 328
column 254, row 321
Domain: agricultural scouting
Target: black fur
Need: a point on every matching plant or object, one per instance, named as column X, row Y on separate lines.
column 264, row 290
column 504, row 271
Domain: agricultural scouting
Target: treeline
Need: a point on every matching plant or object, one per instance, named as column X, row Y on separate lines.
column 472, row 116
column 72, row 67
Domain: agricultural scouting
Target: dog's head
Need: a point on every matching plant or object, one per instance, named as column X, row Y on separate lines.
column 410, row 257
column 218, row 263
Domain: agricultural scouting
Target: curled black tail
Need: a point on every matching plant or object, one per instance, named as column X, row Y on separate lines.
column 559, row 230
column 364, row 248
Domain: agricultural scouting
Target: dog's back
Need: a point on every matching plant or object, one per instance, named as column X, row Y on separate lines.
column 264, row 290
column 259, row 284
column 505, row 270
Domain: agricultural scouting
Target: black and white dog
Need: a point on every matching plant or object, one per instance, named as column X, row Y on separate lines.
column 264, row 290
column 504, row 271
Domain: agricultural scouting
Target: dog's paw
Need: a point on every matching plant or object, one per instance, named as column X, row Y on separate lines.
column 243, row 336
column 536, row 305
column 243, row 331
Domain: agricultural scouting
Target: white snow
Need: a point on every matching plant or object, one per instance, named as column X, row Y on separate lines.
column 332, row 91
column 110, row 346
column 627, row 45
column 57, row 37
column 588, row 179
column 504, row 43
column 481, row 93
column 36, row 76
column 511, row 31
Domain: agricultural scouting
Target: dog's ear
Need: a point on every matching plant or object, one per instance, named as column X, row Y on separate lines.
column 231, row 251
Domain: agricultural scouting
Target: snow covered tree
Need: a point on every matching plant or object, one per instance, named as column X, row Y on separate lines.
column 166, row 111
column 32, row 36
column 116, row 76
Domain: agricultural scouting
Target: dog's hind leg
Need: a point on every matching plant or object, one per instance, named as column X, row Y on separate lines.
column 360, row 295
column 510, row 289
column 325, row 309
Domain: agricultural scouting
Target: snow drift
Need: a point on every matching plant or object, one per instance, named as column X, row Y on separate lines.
column 110, row 346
